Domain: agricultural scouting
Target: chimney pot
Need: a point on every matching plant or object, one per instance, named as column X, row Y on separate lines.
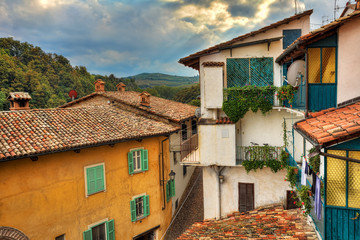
column 99, row 86
column 19, row 101
column 145, row 99
column 121, row 87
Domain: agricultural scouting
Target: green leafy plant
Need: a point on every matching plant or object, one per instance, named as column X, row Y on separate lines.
column 286, row 92
column 285, row 134
column 239, row 100
column 314, row 161
column 284, row 158
column 304, row 200
column 291, row 176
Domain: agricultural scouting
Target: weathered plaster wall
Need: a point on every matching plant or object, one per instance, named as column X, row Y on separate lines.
column 269, row 188
column 46, row 198
column 217, row 144
column 348, row 61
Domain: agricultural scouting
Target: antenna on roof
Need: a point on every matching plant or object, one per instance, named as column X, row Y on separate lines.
column 296, row 10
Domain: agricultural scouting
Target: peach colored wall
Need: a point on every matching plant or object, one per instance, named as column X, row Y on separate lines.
column 46, row 198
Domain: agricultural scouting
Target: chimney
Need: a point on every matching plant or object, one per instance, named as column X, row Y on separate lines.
column 19, row 101
column 145, row 99
column 121, row 87
column 99, row 86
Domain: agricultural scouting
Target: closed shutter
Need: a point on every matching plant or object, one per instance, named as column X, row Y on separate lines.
column 146, row 205
column 246, row 197
column 133, row 210
column 100, row 180
column 172, row 188
column 87, row 235
column 91, row 180
column 130, row 163
column 110, row 226
column 144, row 160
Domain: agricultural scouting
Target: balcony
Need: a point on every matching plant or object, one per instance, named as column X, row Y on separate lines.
column 187, row 147
column 260, row 153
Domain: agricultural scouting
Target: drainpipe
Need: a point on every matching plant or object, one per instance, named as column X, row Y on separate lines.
column 220, row 178
column 162, row 175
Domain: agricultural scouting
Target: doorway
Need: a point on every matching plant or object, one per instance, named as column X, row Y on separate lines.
column 246, row 197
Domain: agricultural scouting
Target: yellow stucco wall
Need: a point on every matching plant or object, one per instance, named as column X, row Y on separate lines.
column 47, row 198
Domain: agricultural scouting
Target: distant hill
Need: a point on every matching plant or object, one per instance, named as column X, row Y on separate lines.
column 148, row 80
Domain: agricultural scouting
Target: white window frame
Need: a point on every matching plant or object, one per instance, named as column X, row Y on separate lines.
column 137, row 168
column 85, row 178
column 99, row 223
column 143, row 210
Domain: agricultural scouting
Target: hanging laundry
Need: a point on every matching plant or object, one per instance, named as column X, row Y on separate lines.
column 303, row 176
column 306, row 168
column 318, row 205
column 313, row 183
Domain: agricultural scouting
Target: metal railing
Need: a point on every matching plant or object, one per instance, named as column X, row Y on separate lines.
column 261, row 153
column 188, row 146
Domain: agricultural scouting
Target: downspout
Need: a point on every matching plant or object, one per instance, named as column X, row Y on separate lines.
column 307, row 84
column 162, row 175
column 218, row 170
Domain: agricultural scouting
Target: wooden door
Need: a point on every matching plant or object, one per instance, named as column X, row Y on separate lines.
column 246, row 197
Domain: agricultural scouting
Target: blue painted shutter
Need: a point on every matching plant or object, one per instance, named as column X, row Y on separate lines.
column 261, row 71
column 91, row 180
column 100, row 180
column 172, row 188
column 237, row 72
column 133, row 210
column 144, row 160
column 87, row 235
column 146, row 205
column 110, row 226
column 290, row 36
column 130, row 163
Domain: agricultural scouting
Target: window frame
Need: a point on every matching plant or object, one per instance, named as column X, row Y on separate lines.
column 105, row 221
column 87, row 194
column 184, row 134
column 321, row 65
column 144, row 160
column 145, row 207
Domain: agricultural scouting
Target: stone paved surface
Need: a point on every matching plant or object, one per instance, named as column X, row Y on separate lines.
column 193, row 208
column 265, row 223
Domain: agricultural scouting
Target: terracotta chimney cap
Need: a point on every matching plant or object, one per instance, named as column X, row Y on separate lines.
column 99, row 86
column 19, row 96
column 121, row 87
column 145, row 93
column 121, row 84
column 19, row 100
column 145, row 98
column 99, row 81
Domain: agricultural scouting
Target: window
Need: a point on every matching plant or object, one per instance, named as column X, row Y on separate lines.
column 183, row 132
column 184, row 170
column 61, row 237
column 322, row 64
column 139, row 207
column 175, row 157
column 251, row 71
column 193, row 127
column 290, row 36
column 95, row 179
column 170, row 189
column 138, row 161
column 102, row 231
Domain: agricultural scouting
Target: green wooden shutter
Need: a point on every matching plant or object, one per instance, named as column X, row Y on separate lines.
column 172, row 188
column 110, row 227
column 100, row 180
column 133, row 210
column 168, row 196
column 146, row 205
column 91, row 180
column 87, row 235
column 144, row 160
column 131, row 163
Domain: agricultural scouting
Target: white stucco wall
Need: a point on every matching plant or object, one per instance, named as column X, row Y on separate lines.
column 213, row 89
column 269, row 188
column 348, row 61
column 217, row 144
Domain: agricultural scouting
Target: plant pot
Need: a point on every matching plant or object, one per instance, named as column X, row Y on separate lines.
column 309, row 193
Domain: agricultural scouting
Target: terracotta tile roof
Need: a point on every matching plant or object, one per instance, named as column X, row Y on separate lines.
column 262, row 223
column 317, row 34
column 193, row 59
column 332, row 125
column 174, row 111
column 34, row 132
column 213, row 64
column 19, row 95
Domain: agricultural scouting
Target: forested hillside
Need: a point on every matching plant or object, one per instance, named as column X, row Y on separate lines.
column 49, row 77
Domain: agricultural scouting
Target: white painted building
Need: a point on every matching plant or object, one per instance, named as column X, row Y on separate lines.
column 227, row 186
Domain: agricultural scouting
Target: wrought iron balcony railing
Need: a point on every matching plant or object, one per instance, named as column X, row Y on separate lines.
column 262, row 153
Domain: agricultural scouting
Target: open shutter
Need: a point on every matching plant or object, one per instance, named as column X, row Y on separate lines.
column 110, row 227
column 146, row 205
column 131, row 163
column 133, row 210
column 91, row 180
column 99, row 171
column 172, row 188
column 168, row 191
column 87, row 235
column 144, row 160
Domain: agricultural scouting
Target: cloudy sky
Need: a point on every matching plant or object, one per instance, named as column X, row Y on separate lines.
column 127, row 37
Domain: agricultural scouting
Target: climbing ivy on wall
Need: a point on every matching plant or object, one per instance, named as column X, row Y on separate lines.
column 239, row 100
